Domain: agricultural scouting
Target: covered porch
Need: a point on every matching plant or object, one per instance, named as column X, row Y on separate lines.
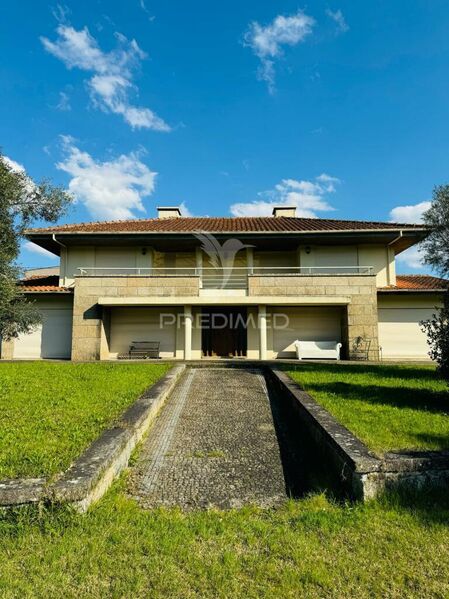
column 195, row 332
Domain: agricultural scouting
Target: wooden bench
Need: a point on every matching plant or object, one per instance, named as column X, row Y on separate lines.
column 144, row 349
column 321, row 350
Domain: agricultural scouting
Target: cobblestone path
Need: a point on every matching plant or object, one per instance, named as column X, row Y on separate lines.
column 214, row 444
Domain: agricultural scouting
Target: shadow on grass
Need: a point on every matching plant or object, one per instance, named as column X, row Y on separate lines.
column 430, row 506
column 399, row 397
column 381, row 370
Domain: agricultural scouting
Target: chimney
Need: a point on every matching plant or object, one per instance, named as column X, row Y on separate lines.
column 168, row 212
column 288, row 211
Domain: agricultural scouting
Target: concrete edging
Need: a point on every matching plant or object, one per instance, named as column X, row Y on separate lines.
column 89, row 477
column 362, row 474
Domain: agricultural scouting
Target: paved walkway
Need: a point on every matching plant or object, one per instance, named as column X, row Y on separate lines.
column 215, row 444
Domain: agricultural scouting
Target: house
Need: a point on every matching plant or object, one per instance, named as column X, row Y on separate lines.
column 207, row 287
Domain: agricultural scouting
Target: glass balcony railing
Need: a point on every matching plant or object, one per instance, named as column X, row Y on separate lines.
column 232, row 277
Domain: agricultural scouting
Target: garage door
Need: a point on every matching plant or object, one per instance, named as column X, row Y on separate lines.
column 400, row 335
column 141, row 324
column 306, row 324
column 52, row 339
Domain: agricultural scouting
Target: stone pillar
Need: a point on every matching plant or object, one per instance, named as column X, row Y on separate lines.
column 87, row 323
column 361, row 320
column 262, row 332
column 105, row 332
column 188, row 332
column 6, row 349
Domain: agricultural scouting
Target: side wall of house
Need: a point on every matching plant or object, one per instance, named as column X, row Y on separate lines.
column 400, row 333
column 52, row 338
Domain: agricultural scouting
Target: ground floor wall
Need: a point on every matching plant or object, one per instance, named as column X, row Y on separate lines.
column 304, row 323
column 400, row 333
column 52, row 338
column 112, row 330
column 145, row 324
column 167, row 326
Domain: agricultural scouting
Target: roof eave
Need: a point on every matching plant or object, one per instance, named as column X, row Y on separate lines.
column 408, row 291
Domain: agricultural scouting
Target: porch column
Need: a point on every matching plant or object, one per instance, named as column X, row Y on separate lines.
column 262, row 332
column 188, row 332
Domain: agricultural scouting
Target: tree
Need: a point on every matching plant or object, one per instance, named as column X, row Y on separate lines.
column 436, row 254
column 21, row 202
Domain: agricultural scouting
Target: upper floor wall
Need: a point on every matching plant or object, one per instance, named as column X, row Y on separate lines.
column 380, row 257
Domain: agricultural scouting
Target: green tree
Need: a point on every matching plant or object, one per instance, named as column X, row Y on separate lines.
column 21, row 202
column 436, row 254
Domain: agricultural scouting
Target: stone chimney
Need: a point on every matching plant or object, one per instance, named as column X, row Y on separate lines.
column 289, row 211
column 168, row 212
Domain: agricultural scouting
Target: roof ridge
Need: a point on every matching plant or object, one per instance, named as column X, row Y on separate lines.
column 278, row 219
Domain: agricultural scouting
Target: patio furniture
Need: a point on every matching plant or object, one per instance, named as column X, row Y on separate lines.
column 360, row 348
column 321, row 350
column 143, row 350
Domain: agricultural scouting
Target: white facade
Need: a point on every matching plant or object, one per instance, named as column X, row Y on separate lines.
column 53, row 337
column 400, row 333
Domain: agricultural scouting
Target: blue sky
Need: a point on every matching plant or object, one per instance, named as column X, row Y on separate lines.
column 227, row 108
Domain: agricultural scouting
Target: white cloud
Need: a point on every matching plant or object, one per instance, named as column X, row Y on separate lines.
column 266, row 42
column 412, row 258
column 35, row 249
column 309, row 197
column 184, row 210
column 64, row 102
column 413, row 213
column 14, row 166
column 339, row 19
column 143, row 6
column 110, row 190
column 111, row 82
column 409, row 214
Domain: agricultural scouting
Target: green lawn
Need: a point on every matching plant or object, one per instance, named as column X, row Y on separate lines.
column 49, row 412
column 308, row 548
column 388, row 407
column 397, row 546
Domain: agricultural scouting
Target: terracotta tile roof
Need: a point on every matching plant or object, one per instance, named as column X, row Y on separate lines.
column 43, row 284
column 417, row 283
column 259, row 224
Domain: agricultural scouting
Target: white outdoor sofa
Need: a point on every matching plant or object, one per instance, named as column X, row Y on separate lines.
column 321, row 350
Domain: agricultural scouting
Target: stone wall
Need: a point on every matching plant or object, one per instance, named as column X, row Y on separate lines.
column 360, row 316
column 90, row 321
column 351, row 468
column 7, row 349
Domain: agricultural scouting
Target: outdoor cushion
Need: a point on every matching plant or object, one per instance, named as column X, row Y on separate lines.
column 329, row 350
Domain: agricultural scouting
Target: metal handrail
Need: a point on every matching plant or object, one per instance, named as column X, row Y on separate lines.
column 210, row 271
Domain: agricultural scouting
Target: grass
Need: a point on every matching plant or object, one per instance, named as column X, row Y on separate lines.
column 388, row 407
column 397, row 546
column 313, row 547
column 51, row 411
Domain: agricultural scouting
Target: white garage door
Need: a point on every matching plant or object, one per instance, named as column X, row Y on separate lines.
column 306, row 324
column 52, row 339
column 400, row 335
column 141, row 324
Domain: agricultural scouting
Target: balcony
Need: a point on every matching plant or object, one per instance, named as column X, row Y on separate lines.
column 229, row 278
